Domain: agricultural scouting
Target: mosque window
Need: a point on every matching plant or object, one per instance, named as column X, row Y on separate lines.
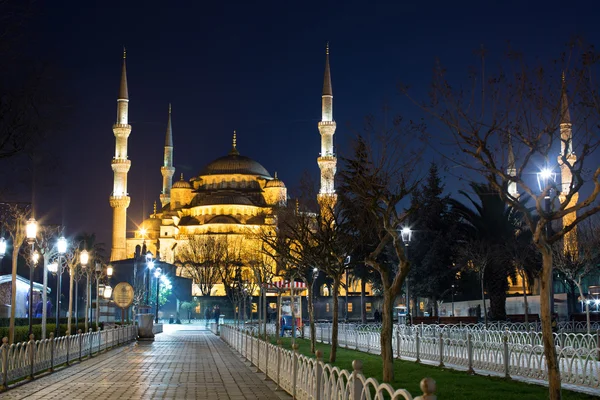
column 325, row 290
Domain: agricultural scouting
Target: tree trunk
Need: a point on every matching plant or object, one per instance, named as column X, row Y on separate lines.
column 525, row 300
column 387, row 352
column 546, row 316
column 335, row 323
column 363, row 306
column 311, row 318
column 71, row 277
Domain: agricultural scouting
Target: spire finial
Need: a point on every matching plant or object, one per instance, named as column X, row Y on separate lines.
column 563, row 77
column 169, row 108
column 275, row 174
column 123, row 92
column 327, row 48
column 124, row 53
column 181, row 177
column 154, row 207
column 234, row 151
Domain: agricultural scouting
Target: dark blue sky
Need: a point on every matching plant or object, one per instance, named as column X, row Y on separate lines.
column 256, row 67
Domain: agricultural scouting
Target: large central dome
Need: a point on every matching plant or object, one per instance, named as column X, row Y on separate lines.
column 233, row 163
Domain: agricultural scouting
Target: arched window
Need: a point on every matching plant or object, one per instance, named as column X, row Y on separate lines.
column 325, row 290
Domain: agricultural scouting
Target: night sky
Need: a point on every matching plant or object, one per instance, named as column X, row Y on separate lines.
column 255, row 67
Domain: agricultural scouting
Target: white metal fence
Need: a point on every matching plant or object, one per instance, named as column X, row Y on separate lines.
column 26, row 359
column 307, row 378
column 511, row 353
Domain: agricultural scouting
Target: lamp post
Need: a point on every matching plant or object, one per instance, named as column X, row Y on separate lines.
column 98, row 272
column 149, row 267
column 84, row 257
column 347, row 262
column 406, row 234
column 157, row 274
column 31, row 232
column 545, row 178
column 61, row 246
column 452, row 289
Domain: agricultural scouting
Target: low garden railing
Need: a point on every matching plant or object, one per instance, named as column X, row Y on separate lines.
column 307, row 378
column 505, row 352
column 25, row 360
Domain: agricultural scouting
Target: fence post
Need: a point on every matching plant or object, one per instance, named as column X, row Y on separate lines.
column 441, row 349
column 90, row 336
column 31, row 345
column 4, row 350
column 506, row 364
column 278, row 362
column 319, row 374
column 470, row 353
column 321, row 331
column 99, row 339
column 398, row 343
column 80, row 338
column 418, row 343
column 428, row 387
column 295, row 370
column 52, row 344
column 357, row 386
column 356, row 339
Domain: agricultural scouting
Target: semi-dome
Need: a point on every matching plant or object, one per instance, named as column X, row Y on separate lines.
column 235, row 164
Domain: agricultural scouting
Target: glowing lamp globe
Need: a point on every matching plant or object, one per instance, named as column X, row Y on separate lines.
column 61, row 245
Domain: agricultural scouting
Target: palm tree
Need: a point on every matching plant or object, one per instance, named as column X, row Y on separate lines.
column 487, row 219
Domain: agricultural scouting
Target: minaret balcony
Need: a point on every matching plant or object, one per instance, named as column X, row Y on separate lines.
column 122, row 130
column 327, row 159
column 119, row 201
column 327, row 123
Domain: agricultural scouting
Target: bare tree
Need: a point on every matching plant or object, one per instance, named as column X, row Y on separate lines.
column 578, row 264
column 477, row 255
column 14, row 218
column 383, row 185
column 46, row 244
column 531, row 107
column 200, row 260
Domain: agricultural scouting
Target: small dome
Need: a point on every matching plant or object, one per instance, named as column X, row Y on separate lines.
column 275, row 183
column 182, row 184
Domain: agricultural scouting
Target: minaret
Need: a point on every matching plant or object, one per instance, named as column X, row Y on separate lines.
column 511, row 170
column 167, row 170
column 566, row 151
column 327, row 160
column 119, row 200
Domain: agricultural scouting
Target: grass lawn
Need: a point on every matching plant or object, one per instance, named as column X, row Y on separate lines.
column 451, row 384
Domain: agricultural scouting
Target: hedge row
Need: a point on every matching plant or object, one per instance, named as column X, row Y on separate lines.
column 22, row 332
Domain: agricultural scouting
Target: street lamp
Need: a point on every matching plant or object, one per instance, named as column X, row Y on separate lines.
column 406, row 234
column 31, row 232
column 61, row 246
column 84, row 258
column 546, row 178
column 157, row 274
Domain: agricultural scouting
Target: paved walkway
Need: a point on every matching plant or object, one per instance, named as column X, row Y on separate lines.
column 178, row 365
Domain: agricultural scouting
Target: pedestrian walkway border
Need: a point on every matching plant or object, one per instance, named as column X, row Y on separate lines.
column 26, row 360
